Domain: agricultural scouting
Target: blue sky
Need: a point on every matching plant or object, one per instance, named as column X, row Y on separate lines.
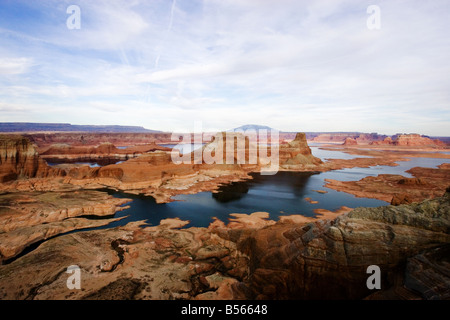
column 292, row 65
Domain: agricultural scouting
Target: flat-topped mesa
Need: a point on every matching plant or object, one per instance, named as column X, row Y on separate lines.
column 411, row 140
column 334, row 137
column 385, row 141
column 340, row 137
column 416, row 140
column 95, row 138
column 19, row 159
column 105, row 153
column 297, row 154
column 105, row 148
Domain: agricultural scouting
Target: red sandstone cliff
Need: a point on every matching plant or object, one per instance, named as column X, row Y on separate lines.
column 19, row 159
column 417, row 140
column 360, row 138
column 334, row 137
column 411, row 140
column 350, row 142
column 105, row 148
column 93, row 139
column 297, row 154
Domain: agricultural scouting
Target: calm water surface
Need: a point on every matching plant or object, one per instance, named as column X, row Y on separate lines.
column 280, row 194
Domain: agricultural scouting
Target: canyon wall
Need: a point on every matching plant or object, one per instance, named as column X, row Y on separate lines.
column 93, row 139
column 328, row 259
column 20, row 159
column 410, row 140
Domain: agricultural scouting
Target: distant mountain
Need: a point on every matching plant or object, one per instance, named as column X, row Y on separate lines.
column 67, row 127
column 255, row 127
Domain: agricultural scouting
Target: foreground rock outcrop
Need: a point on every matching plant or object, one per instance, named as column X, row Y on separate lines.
column 249, row 258
column 329, row 259
column 29, row 217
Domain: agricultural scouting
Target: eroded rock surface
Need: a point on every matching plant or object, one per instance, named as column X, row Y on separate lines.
column 19, row 159
column 248, row 258
column 396, row 189
column 29, row 217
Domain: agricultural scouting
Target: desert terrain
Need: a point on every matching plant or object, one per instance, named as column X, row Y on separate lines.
column 45, row 208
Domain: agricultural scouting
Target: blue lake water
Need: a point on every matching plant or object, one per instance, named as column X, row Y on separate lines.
column 100, row 163
column 326, row 154
column 280, row 194
column 184, row 147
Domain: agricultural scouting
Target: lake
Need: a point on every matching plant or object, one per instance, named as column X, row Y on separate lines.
column 281, row 194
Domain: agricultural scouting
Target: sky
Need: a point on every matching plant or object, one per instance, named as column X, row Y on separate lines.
column 325, row 65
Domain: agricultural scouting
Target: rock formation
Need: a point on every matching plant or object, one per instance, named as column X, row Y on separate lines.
column 414, row 140
column 367, row 138
column 411, row 140
column 19, row 159
column 297, row 155
column 93, row 139
column 328, row 259
column 350, row 142
column 249, row 258
column 29, row 217
column 396, row 189
column 104, row 153
column 385, row 141
column 334, row 137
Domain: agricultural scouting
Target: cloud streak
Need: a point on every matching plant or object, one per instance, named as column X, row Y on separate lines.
column 311, row 66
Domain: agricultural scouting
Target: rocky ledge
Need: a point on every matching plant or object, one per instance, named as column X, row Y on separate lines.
column 29, row 217
column 396, row 189
column 248, row 258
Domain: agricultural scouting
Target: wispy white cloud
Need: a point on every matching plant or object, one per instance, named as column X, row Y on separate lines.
column 294, row 65
column 11, row 66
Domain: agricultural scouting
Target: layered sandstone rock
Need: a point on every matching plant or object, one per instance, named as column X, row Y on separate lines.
column 385, row 141
column 350, row 142
column 411, row 140
column 396, row 189
column 361, row 138
column 19, row 159
column 104, row 153
column 93, row 139
column 329, row 259
column 334, row 137
column 129, row 262
column 29, row 217
column 367, row 138
column 249, row 258
column 297, row 154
